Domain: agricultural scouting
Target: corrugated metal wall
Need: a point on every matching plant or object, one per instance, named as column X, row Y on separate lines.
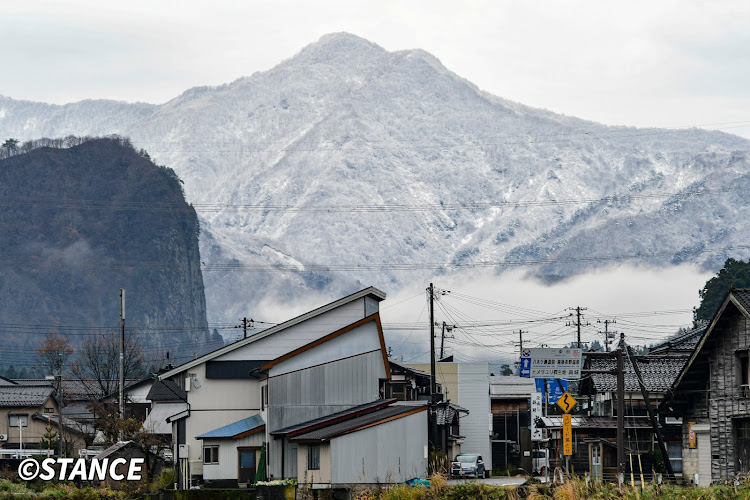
column 316, row 392
column 474, row 394
column 387, row 453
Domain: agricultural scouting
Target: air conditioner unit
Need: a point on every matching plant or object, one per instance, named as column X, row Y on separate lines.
column 3, row 437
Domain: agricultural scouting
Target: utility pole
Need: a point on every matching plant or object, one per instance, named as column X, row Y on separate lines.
column 442, row 338
column 244, row 326
column 431, row 291
column 620, row 415
column 606, row 331
column 62, row 402
column 578, row 323
column 122, row 361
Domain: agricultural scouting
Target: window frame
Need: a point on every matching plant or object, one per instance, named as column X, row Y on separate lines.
column 24, row 417
column 213, row 450
column 313, row 457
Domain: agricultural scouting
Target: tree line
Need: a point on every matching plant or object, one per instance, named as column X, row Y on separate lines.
column 13, row 147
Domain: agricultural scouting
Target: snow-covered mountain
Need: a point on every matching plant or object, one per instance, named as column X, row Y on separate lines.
column 348, row 165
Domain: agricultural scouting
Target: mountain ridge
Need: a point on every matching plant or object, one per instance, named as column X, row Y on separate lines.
column 346, row 123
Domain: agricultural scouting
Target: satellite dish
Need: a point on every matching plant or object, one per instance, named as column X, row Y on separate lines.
column 196, row 384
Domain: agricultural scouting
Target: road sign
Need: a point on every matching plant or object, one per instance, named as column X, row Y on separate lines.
column 556, row 363
column 567, row 435
column 554, row 390
column 566, row 402
column 536, row 414
column 525, row 370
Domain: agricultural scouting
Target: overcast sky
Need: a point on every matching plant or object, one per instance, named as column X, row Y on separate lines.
column 671, row 63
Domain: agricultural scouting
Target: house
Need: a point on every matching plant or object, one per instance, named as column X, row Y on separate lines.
column 598, row 432
column 468, row 386
column 712, row 395
column 22, row 434
column 233, row 451
column 511, row 420
column 319, row 363
column 167, row 400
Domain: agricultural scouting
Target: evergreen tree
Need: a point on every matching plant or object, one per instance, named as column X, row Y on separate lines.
column 735, row 274
column 11, row 373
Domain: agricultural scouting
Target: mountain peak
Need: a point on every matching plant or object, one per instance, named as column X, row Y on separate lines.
column 342, row 46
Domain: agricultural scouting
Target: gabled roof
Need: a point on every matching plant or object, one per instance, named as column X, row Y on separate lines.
column 166, row 390
column 740, row 298
column 24, row 395
column 371, row 291
column 236, row 430
column 658, row 372
column 370, row 419
column 70, row 424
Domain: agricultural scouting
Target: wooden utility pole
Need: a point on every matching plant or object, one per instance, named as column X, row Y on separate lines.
column 122, row 360
column 651, row 415
column 620, row 414
column 578, row 323
column 433, row 390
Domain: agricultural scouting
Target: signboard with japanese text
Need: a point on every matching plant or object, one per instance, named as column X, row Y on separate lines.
column 525, row 370
column 554, row 389
column 692, row 438
column 536, row 415
column 567, row 434
column 563, row 363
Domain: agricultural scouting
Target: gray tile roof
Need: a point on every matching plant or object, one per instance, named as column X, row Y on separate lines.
column 659, row 373
column 372, row 418
column 683, row 343
column 24, row 395
column 743, row 297
column 166, row 390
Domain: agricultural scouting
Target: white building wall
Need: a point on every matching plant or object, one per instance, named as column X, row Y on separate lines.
column 301, row 334
column 227, row 466
column 474, row 395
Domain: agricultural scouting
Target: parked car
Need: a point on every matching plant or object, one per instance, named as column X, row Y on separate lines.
column 468, row 465
column 541, row 461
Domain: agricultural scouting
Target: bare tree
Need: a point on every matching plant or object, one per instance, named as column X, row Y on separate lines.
column 97, row 364
column 53, row 354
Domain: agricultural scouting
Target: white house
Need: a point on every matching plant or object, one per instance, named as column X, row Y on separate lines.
column 319, row 363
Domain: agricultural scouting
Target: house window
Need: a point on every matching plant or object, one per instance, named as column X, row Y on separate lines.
column 262, row 397
column 743, row 362
column 742, row 451
column 210, row 454
column 49, row 410
column 313, row 457
column 674, row 449
column 13, row 420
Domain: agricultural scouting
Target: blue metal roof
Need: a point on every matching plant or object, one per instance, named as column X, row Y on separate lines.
column 235, row 429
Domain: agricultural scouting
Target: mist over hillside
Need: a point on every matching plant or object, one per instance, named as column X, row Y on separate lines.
column 348, row 165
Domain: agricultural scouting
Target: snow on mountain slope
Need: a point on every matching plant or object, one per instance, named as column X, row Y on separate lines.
column 290, row 169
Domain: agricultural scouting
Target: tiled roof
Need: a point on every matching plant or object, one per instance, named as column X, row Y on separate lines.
column 407, row 368
column 743, row 297
column 340, row 415
column 658, row 372
column 75, row 388
column 246, row 425
column 446, row 412
column 375, row 417
column 20, row 395
column 166, row 390
column 685, row 342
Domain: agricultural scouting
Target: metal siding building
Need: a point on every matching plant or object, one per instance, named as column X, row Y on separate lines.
column 315, row 392
column 391, row 452
column 474, row 394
